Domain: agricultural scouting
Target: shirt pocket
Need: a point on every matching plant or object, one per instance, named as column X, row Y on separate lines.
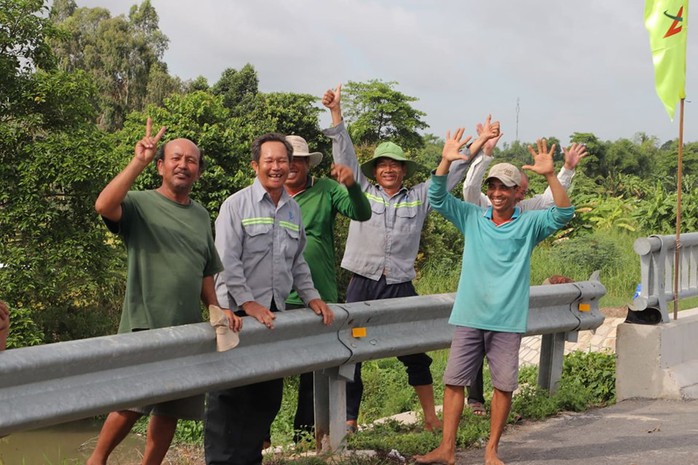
column 378, row 208
column 258, row 238
column 290, row 242
column 406, row 218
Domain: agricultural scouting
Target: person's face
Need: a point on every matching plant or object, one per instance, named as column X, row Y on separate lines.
column 179, row 166
column 272, row 168
column 522, row 191
column 298, row 172
column 503, row 198
column 389, row 173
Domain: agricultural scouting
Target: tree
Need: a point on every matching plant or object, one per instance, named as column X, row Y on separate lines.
column 377, row 112
column 238, row 88
column 161, row 85
column 23, row 28
column 56, row 272
column 117, row 52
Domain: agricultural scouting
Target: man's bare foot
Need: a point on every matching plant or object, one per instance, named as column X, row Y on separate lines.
column 491, row 458
column 438, row 455
column 433, row 425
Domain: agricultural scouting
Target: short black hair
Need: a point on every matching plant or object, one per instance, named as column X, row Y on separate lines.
column 270, row 137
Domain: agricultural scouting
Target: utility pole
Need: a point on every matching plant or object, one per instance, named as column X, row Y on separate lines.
column 517, row 119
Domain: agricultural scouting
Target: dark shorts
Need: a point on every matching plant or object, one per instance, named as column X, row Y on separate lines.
column 468, row 349
column 189, row 408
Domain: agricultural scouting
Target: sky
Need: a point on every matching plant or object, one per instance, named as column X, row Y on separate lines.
column 541, row 67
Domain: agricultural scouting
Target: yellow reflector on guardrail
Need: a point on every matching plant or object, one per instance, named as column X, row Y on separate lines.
column 358, row 332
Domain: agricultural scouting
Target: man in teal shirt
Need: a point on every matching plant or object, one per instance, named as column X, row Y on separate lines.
column 320, row 200
column 491, row 307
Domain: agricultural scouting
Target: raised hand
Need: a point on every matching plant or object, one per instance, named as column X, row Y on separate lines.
column 343, row 174
column 146, row 148
column 542, row 159
column 453, row 145
column 491, row 143
column 574, row 154
column 333, row 98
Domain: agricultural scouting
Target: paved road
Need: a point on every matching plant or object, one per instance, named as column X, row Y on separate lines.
column 632, row 432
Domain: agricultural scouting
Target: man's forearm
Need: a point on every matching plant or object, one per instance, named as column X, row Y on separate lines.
column 443, row 168
column 559, row 193
column 208, row 291
column 336, row 115
column 108, row 204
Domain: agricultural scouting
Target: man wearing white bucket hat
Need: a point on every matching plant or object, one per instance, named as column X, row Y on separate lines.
column 381, row 252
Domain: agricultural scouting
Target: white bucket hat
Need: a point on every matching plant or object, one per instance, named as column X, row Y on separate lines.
column 300, row 149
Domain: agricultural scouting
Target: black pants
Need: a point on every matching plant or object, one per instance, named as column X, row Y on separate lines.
column 417, row 365
column 304, row 420
column 476, row 390
column 237, row 421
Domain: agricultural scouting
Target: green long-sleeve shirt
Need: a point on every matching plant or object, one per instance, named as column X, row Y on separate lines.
column 320, row 202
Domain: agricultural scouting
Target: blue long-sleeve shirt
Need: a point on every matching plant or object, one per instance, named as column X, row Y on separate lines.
column 493, row 290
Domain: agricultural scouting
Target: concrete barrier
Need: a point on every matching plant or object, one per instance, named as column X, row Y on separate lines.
column 658, row 362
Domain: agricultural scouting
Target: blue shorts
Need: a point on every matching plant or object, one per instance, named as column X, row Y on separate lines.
column 468, row 349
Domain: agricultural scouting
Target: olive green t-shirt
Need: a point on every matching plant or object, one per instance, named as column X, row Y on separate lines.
column 170, row 250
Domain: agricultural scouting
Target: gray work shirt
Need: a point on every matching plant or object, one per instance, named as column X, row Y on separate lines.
column 388, row 242
column 261, row 246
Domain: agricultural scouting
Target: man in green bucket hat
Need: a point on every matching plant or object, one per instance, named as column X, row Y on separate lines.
column 381, row 252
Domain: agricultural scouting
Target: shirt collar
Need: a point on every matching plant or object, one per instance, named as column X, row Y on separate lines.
column 259, row 192
column 402, row 189
column 517, row 212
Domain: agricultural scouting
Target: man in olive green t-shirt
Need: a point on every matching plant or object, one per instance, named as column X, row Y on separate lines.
column 171, row 262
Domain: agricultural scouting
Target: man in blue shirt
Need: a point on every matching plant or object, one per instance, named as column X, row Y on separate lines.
column 491, row 307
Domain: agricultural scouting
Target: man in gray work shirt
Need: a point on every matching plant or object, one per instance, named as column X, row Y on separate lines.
column 381, row 252
column 260, row 239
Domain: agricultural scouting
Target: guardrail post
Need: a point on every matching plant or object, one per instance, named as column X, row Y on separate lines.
column 552, row 350
column 331, row 406
column 321, row 402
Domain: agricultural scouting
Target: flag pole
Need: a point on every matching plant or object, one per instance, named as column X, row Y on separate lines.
column 677, row 250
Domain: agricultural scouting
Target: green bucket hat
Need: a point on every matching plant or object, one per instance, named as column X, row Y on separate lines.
column 392, row 151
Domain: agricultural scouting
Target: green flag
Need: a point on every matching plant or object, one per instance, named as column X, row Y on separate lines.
column 667, row 23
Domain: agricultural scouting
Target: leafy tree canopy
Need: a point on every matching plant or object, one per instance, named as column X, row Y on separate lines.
column 377, row 112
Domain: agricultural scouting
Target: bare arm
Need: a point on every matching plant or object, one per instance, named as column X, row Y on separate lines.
column 485, row 133
column 472, row 186
column 108, row 203
column 332, row 100
column 208, row 297
column 573, row 155
column 543, row 165
column 451, row 151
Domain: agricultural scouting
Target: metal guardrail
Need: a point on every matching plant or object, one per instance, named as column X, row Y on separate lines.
column 56, row 383
column 657, row 271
